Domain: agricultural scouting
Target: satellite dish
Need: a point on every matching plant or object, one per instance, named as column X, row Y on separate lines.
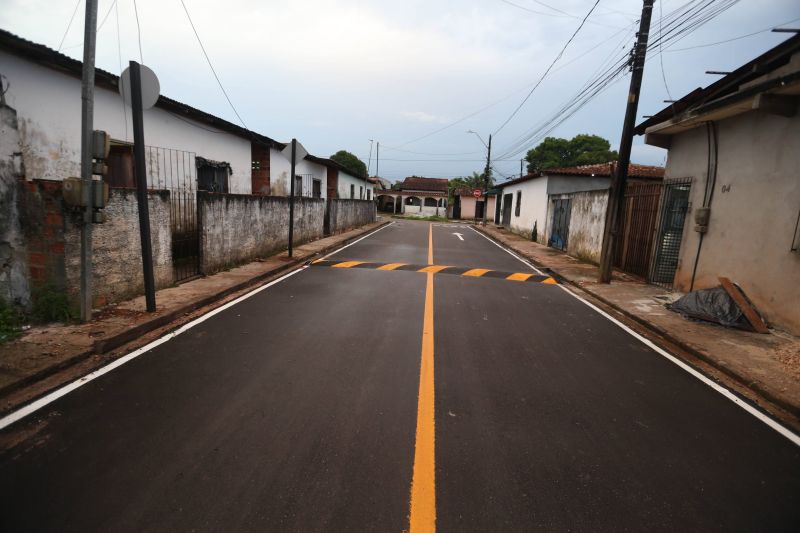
column 150, row 86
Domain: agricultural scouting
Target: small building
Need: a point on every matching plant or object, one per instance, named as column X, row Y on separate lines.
column 466, row 206
column 734, row 155
column 566, row 207
column 417, row 196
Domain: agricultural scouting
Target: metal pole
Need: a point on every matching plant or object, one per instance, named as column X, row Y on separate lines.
column 87, row 125
column 378, row 160
column 616, row 194
column 486, row 179
column 291, row 198
column 369, row 159
column 521, row 161
column 141, row 186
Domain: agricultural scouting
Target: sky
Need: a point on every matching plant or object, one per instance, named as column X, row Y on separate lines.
column 349, row 74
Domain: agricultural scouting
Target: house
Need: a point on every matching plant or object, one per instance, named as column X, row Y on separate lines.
column 417, row 196
column 565, row 207
column 467, row 207
column 734, row 207
column 343, row 183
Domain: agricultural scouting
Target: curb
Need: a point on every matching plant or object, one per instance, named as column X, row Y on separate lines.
column 102, row 346
column 652, row 328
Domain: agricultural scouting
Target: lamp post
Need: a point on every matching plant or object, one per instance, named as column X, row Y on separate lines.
column 485, row 172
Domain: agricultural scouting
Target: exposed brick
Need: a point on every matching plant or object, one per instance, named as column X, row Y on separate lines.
column 100, row 300
column 57, row 248
column 38, row 274
column 37, row 259
column 54, row 219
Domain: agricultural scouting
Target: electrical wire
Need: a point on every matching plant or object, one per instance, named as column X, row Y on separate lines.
column 69, row 25
column 119, row 57
column 138, row 32
column 770, row 28
column 661, row 48
column 213, row 71
column 503, row 125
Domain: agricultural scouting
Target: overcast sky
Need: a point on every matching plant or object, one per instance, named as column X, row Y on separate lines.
column 336, row 74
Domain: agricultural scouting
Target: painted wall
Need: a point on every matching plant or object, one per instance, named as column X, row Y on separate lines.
column 347, row 214
column 533, row 207
column 281, row 171
column 754, row 211
column 236, row 229
column 422, row 210
column 569, row 184
column 48, row 105
column 468, row 208
column 587, row 219
column 13, row 251
column 360, row 186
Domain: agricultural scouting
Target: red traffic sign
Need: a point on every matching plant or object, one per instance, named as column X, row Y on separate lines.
column 477, row 193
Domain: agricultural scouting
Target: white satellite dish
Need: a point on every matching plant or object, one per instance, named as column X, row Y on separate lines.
column 150, row 86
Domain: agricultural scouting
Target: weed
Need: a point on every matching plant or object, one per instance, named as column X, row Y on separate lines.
column 51, row 304
column 9, row 322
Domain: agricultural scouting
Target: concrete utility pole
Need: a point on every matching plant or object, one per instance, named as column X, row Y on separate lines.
column 616, row 195
column 521, row 161
column 291, row 198
column 378, row 160
column 87, row 126
column 369, row 159
column 486, row 179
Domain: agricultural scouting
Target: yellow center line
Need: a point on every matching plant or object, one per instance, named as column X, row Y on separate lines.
column 391, row 266
column 422, row 517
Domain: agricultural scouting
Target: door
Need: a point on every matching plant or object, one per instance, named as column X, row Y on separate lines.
column 562, row 209
column 479, row 209
column 634, row 246
column 674, row 206
column 507, row 199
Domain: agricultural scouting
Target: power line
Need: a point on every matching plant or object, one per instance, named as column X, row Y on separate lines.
column 213, row 71
column 661, row 48
column 138, row 32
column 99, row 26
column 548, row 69
column 733, row 38
column 69, row 25
column 119, row 57
column 562, row 13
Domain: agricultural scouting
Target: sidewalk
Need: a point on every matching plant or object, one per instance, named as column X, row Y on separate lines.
column 49, row 349
column 767, row 364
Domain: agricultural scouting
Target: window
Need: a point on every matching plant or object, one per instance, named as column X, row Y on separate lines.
column 369, row 194
column 212, row 175
column 519, row 202
column 430, row 202
column 316, row 189
column 120, row 166
column 352, row 191
column 361, row 193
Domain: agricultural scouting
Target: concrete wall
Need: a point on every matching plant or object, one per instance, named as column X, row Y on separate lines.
column 533, row 207
column 360, row 186
column 570, row 184
column 468, row 208
column 281, row 170
column 754, row 211
column 48, row 105
column 347, row 214
column 13, row 252
column 116, row 248
column 236, row 229
column 422, row 210
column 586, row 224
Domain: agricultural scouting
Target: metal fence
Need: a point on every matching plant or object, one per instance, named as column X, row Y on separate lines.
column 674, row 206
column 176, row 171
column 637, row 228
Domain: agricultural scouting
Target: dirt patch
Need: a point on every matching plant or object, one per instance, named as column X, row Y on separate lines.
column 789, row 357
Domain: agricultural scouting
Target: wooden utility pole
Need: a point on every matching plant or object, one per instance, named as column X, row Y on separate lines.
column 486, row 179
column 616, row 195
column 291, row 198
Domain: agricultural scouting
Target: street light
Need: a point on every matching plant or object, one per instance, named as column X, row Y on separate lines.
column 485, row 172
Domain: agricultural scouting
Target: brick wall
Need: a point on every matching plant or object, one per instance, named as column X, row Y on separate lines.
column 43, row 224
column 260, row 171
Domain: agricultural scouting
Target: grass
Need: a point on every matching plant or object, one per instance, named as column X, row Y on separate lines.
column 51, row 304
column 9, row 322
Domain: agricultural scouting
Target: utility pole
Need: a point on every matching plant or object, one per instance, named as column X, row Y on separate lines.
column 521, row 161
column 616, row 194
column 369, row 159
column 486, row 179
column 291, row 197
column 87, row 126
column 378, row 160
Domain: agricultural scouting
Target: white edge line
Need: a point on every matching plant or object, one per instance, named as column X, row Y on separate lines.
column 34, row 406
column 769, row 421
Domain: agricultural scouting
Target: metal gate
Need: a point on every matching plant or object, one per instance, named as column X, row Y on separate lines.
column 562, row 210
column 674, row 206
column 176, row 171
column 507, row 209
column 637, row 228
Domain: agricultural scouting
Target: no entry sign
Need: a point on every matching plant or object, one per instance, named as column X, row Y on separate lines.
column 477, row 193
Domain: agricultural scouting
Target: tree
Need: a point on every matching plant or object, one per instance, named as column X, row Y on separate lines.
column 468, row 182
column 350, row 162
column 582, row 149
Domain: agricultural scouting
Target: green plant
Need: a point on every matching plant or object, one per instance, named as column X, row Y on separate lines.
column 9, row 322
column 51, row 304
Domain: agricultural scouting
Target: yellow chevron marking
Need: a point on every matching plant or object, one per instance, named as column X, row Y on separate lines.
column 550, row 281
column 391, row 266
column 519, row 276
column 433, row 269
column 476, row 272
column 347, row 264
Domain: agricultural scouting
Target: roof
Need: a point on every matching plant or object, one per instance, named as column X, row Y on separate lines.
column 728, row 87
column 333, row 164
column 601, row 170
column 57, row 61
column 417, row 183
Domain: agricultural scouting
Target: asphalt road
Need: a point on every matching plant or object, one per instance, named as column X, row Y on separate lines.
column 301, row 409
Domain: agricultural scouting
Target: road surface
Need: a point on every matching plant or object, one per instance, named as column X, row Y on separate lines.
column 377, row 398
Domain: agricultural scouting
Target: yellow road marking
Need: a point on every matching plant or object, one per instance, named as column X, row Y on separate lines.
column 550, row 281
column 519, row 276
column 347, row 264
column 391, row 266
column 476, row 272
column 422, row 517
column 433, row 269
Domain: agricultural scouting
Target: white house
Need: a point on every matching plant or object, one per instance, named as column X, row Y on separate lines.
column 735, row 147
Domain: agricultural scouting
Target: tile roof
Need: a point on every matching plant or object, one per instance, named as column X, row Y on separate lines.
column 604, row 170
column 417, row 183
